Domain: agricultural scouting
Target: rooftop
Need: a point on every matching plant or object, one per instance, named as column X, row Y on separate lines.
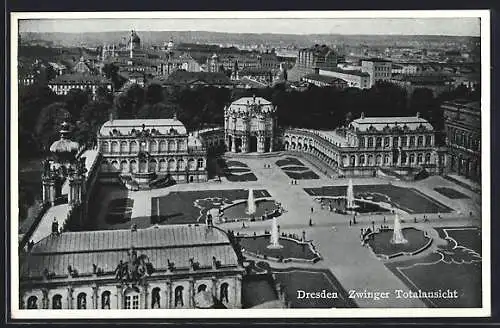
column 346, row 71
column 325, row 79
column 464, row 104
column 79, row 79
column 125, row 127
column 379, row 123
column 174, row 243
column 184, row 77
column 376, row 60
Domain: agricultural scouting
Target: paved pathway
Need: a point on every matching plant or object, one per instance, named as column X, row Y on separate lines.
column 355, row 266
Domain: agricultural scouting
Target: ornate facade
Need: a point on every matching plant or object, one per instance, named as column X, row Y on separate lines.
column 159, row 267
column 463, row 138
column 142, row 149
column 249, row 125
column 368, row 144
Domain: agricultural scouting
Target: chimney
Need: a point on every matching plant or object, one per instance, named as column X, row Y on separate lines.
column 418, row 114
column 111, row 117
column 363, row 115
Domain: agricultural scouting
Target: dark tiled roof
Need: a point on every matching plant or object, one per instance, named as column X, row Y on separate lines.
column 184, row 77
column 325, row 79
column 81, row 250
column 79, row 78
column 377, row 60
column 345, row 71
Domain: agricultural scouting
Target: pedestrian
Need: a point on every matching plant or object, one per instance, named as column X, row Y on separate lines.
column 384, row 219
column 415, row 220
column 310, row 222
column 312, row 210
column 350, row 223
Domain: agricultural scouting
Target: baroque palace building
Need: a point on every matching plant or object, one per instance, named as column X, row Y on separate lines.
column 463, row 138
column 146, row 148
column 371, row 144
column 250, row 125
column 158, row 267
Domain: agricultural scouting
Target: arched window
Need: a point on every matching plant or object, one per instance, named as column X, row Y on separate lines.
column 352, row 160
column 403, row 158
column 106, row 300
column 395, row 141
column 362, row 160
column 181, row 165
column 200, row 163
column 155, row 298
column 115, row 166
column 154, row 146
column 370, row 160
column 124, row 167
column 378, row 142
column 57, row 301
column 114, row 147
column 179, row 301
column 224, row 292
column 192, row 164
column 428, row 158
column 123, row 147
column 362, row 142
column 202, row 288
column 370, row 142
column 143, row 146
column 132, row 298
column 428, row 141
column 404, row 141
column 134, row 148
column 152, row 166
column 105, row 147
column 32, row 302
column 133, row 166
column 171, row 146
column 163, row 146
column 412, row 141
column 386, row 159
column 420, row 158
column 420, row 141
column 81, row 301
column 379, row 159
column 412, row 158
column 387, row 142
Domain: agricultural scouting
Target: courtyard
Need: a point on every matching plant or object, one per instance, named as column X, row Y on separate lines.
column 345, row 264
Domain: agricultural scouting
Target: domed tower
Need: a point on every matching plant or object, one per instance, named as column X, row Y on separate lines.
column 62, row 165
column 249, row 125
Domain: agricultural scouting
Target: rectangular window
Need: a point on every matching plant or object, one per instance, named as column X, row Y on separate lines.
column 127, row 302
column 135, row 302
column 386, row 142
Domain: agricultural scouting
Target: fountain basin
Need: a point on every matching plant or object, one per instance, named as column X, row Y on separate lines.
column 238, row 211
column 291, row 250
column 381, row 243
column 361, row 206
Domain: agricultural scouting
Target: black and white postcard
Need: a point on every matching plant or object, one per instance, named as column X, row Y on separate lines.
column 250, row 164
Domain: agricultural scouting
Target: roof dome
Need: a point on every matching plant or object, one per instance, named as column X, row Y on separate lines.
column 64, row 145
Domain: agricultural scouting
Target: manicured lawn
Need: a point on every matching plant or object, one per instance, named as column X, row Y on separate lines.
column 307, row 175
column 235, row 163
column 180, row 207
column 451, row 193
column 454, row 266
column 241, row 177
column 289, row 161
column 408, row 199
column 295, row 168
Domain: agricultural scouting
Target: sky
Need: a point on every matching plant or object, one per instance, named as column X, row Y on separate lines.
column 465, row 26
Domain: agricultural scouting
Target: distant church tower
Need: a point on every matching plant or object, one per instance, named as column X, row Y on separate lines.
column 214, row 63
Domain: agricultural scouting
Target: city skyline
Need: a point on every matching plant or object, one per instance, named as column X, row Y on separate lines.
column 450, row 26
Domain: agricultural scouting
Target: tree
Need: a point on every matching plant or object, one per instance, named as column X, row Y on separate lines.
column 49, row 123
column 75, row 100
